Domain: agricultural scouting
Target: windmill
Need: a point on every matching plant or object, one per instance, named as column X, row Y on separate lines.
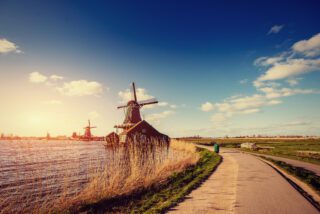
column 132, row 109
column 133, row 125
column 87, row 133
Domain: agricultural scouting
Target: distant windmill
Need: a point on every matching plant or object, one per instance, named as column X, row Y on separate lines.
column 87, row 132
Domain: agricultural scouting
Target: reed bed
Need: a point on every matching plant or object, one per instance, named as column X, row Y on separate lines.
column 130, row 167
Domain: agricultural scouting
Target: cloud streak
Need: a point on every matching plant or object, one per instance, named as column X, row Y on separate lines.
column 7, row 46
column 156, row 117
column 207, row 106
column 275, row 29
column 240, row 105
column 36, row 77
column 81, row 88
column 142, row 94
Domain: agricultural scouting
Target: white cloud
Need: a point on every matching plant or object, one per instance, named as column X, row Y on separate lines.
column 36, row 77
column 250, row 111
column 53, row 102
column 6, row 46
column 241, row 105
column 297, row 123
column 288, row 65
column 293, row 81
column 290, row 68
column 207, row 106
column 173, row 106
column 141, row 93
column 163, row 104
column 56, row 77
column 310, row 47
column 159, row 116
column 272, row 93
column 93, row 115
column 219, row 118
column 275, row 29
column 81, row 88
column 267, row 61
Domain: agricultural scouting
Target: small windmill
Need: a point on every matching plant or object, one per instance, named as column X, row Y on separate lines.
column 133, row 125
column 132, row 109
column 87, row 132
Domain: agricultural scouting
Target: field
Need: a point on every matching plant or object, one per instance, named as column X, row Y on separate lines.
column 304, row 149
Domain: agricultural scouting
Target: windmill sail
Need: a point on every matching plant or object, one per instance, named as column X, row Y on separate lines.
column 133, row 92
column 148, row 102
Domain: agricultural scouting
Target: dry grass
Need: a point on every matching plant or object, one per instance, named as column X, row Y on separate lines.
column 182, row 146
column 134, row 166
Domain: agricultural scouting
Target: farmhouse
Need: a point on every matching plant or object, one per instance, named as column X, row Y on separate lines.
column 247, row 145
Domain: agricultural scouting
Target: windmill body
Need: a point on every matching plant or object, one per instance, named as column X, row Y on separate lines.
column 87, row 131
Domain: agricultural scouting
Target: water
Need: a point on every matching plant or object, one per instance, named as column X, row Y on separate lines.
column 32, row 171
column 42, row 166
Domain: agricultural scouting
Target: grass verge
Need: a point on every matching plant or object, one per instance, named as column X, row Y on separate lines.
column 302, row 174
column 158, row 198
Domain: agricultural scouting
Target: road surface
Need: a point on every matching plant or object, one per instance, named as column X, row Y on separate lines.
column 244, row 184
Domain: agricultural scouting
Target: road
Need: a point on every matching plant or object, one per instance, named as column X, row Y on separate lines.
column 244, row 184
column 309, row 166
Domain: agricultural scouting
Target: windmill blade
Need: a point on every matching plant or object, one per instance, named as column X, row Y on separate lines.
column 123, row 106
column 148, row 102
column 133, row 92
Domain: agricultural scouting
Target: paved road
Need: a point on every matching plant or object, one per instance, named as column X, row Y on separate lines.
column 309, row 166
column 244, row 184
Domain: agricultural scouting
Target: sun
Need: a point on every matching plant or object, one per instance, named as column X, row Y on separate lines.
column 35, row 119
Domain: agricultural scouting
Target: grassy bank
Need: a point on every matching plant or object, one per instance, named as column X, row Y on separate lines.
column 160, row 197
column 302, row 174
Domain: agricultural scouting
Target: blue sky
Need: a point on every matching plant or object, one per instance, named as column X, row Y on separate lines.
column 218, row 67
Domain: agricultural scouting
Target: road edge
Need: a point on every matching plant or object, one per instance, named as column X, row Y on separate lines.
column 307, row 192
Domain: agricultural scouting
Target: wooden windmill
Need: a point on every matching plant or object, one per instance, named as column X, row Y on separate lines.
column 133, row 124
column 132, row 109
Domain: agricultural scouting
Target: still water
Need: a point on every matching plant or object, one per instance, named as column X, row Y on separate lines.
column 38, row 167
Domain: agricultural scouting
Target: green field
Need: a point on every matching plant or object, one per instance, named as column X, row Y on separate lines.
column 299, row 150
column 295, row 148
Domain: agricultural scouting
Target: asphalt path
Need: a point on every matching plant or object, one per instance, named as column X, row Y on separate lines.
column 244, row 184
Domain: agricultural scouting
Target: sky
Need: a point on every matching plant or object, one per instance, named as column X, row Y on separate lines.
column 218, row 68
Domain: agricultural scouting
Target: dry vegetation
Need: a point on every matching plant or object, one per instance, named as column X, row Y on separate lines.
column 132, row 167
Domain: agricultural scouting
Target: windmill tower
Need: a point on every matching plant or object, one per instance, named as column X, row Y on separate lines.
column 133, row 125
column 87, row 131
column 132, row 109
